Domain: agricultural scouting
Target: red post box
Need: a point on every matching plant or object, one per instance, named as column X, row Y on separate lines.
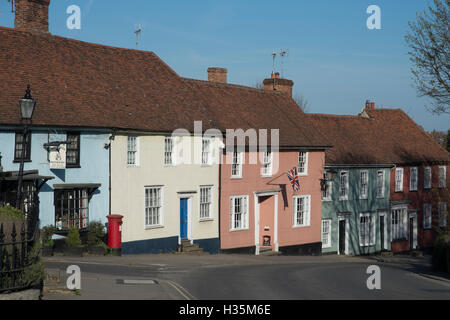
column 115, row 233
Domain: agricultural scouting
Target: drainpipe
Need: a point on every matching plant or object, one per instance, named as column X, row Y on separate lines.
column 220, row 193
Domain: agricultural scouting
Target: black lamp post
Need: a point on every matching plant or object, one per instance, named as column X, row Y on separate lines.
column 328, row 175
column 27, row 104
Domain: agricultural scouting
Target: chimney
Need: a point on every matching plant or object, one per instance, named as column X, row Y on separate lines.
column 217, row 75
column 372, row 105
column 278, row 84
column 367, row 104
column 32, row 15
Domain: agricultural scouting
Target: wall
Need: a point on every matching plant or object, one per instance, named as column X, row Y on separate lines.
column 355, row 206
column 94, row 168
column 252, row 182
column 128, row 190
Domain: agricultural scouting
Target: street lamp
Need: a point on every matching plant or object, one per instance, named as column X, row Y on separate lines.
column 328, row 175
column 27, row 104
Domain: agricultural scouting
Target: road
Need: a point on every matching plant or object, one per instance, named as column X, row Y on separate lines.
column 253, row 278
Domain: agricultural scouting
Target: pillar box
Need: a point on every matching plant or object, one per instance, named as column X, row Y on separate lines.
column 115, row 233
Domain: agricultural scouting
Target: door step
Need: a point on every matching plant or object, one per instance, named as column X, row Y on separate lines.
column 189, row 248
column 267, row 251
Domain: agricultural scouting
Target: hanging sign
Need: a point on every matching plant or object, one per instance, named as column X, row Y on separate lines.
column 58, row 157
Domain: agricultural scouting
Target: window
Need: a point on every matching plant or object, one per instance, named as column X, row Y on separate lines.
column 442, row 176
column 303, row 163
column 366, row 230
column 302, row 211
column 236, row 167
column 71, row 208
column 399, row 180
column 18, row 147
column 364, row 184
column 343, row 185
column 73, row 150
column 153, row 206
column 380, row 184
column 427, row 217
column 132, row 151
column 427, row 178
column 239, row 212
column 327, row 193
column 205, row 203
column 413, row 179
column 399, row 224
column 442, row 214
column 267, row 164
column 206, row 151
column 326, row 233
column 169, row 151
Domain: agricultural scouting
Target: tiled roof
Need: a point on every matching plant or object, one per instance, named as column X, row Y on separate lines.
column 387, row 136
column 89, row 85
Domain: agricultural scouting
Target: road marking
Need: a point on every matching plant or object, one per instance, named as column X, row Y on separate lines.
column 137, row 281
column 180, row 289
column 437, row 280
column 107, row 264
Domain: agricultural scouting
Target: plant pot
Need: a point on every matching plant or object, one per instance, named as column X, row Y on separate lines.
column 96, row 250
column 74, row 251
column 47, row 251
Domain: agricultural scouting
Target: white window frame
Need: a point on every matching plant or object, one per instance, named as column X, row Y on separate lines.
column 442, row 176
column 363, row 195
column 344, row 197
column 442, row 214
column 399, row 230
column 328, row 192
column 380, row 195
column 160, row 207
column 134, row 151
column 427, row 178
column 172, row 151
column 238, row 164
column 244, row 215
column 207, row 143
column 427, row 216
column 369, row 234
column 266, row 170
column 399, row 179
column 413, row 178
column 202, row 202
column 306, row 211
column 304, row 155
column 328, row 234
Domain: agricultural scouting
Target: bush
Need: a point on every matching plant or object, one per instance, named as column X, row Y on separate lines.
column 47, row 234
column 96, row 233
column 8, row 212
column 10, row 216
column 441, row 252
column 34, row 272
column 73, row 238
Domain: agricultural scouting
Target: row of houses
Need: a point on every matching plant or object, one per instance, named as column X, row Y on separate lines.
column 207, row 162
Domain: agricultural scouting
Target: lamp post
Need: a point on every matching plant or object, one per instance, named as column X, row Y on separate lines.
column 27, row 104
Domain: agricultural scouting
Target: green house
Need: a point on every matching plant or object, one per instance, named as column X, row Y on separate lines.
column 355, row 197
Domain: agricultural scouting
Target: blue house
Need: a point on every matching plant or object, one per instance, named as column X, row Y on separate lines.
column 72, row 196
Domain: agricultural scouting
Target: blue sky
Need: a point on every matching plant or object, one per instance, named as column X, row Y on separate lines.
column 335, row 62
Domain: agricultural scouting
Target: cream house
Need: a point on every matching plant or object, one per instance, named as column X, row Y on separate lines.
column 166, row 188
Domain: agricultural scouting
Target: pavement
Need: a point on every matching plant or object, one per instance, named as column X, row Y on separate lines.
column 226, row 276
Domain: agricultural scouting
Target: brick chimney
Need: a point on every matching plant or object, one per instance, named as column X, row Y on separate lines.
column 217, row 75
column 32, row 15
column 275, row 83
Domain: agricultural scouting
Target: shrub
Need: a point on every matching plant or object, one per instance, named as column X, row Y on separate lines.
column 10, row 216
column 47, row 233
column 34, row 272
column 441, row 251
column 8, row 212
column 96, row 233
column 73, row 238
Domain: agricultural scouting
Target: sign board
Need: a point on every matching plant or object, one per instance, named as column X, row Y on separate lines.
column 58, row 157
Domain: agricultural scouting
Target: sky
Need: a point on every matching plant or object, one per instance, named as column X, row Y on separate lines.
column 335, row 61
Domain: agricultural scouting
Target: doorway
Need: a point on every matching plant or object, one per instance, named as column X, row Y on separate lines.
column 342, row 235
column 184, row 218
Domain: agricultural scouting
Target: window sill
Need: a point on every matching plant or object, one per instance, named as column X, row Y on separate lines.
column 236, row 178
column 302, row 226
column 169, row 165
column 25, row 161
column 343, row 199
column 266, row 176
column 327, row 200
column 303, row 174
column 203, row 165
column 73, row 167
column 237, row 230
column 206, row 220
column 154, row 227
column 326, row 247
column 133, row 166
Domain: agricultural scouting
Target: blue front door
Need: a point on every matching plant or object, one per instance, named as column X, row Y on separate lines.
column 183, row 218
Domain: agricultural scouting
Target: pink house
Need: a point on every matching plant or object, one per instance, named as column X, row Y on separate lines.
column 262, row 212
column 259, row 209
